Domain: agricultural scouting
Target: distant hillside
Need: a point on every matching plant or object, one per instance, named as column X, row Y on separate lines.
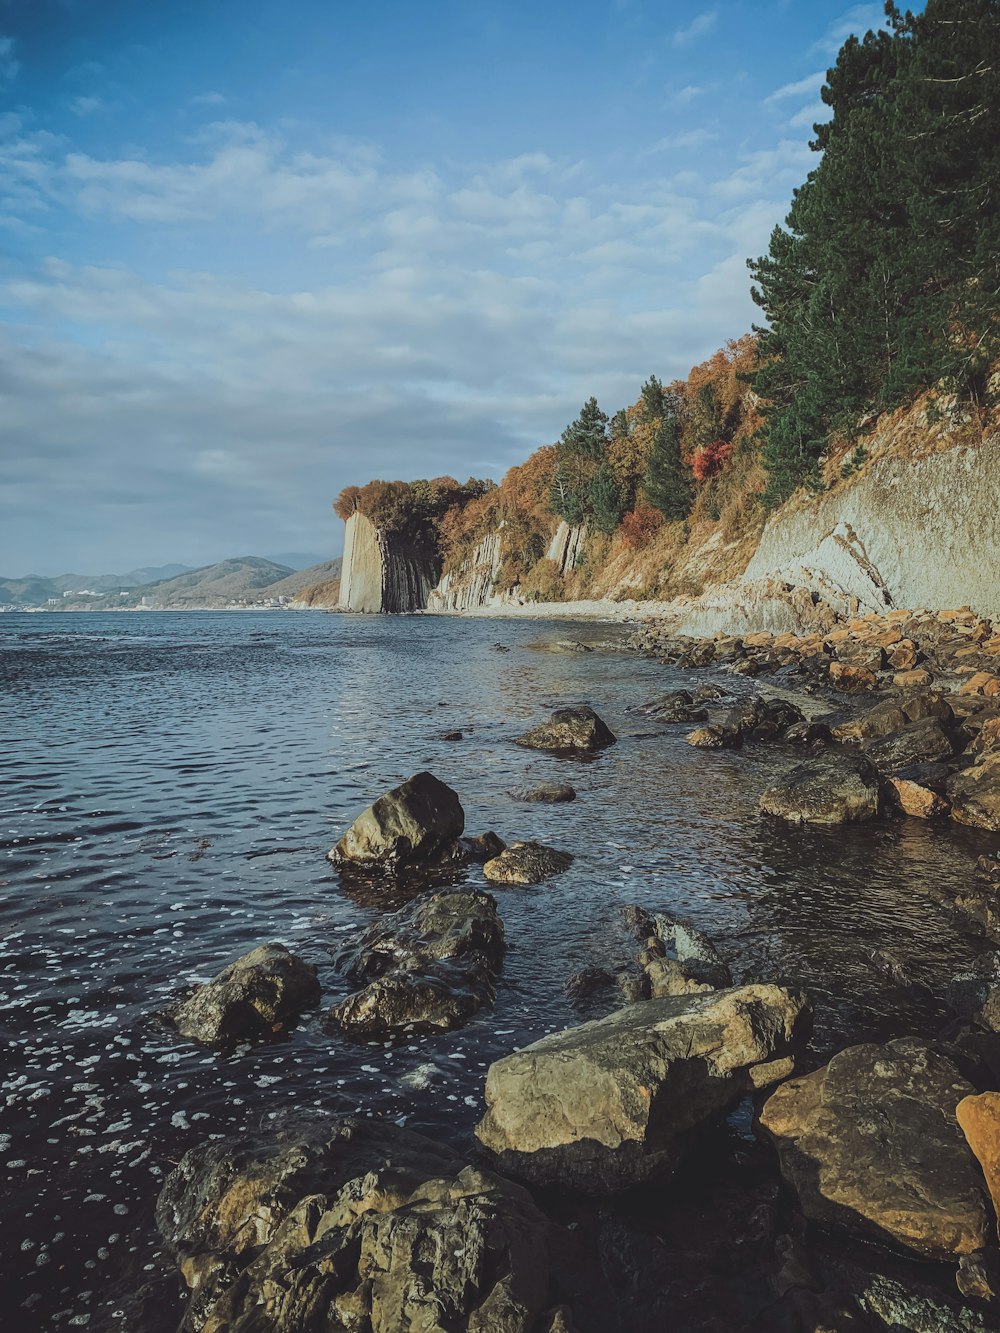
column 304, row 580
column 239, row 579
column 36, row 589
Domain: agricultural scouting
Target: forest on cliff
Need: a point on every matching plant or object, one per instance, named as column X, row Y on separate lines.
column 882, row 286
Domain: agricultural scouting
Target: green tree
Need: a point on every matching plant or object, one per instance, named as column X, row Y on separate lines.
column 588, row 434
column 668, row 483
column 606, row 503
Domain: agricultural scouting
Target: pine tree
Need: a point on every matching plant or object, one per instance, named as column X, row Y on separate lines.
column 588, row 434
column 668, row 484
column 607, row 505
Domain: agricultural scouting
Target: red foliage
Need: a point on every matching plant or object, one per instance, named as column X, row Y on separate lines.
column 709, row 461
column 641, row 525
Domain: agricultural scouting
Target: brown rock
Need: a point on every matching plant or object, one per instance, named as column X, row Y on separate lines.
column 907, row 679
column 903, row 655
column 871, row 1143
column 979, row 1117
column 982, row 683
column 852, row 679
column 975, row 793
column 713, row 738
column 913, row 799
column 526, row 863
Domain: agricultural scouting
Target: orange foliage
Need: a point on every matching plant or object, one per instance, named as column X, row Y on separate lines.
column 640, row 525
column 709, row 461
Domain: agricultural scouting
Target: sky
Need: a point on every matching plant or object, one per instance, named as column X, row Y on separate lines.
column 254, row 252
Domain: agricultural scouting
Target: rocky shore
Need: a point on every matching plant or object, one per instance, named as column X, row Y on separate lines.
column 606, row 1189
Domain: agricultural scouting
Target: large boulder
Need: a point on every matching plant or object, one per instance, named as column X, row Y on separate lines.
column 248, row 1000
column 361, row 1225
column 569, row 729
column 606, row 1105
column 425, row 968
column 526, row 863
column 870, row 1143
column 979, row 1118
column 975, row 793
column 830, row 789
column 924, row 742
column 417, row 822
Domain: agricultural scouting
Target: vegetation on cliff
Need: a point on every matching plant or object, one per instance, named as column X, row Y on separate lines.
column 884, row 284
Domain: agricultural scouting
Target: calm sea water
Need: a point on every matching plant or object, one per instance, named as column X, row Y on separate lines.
column 170, row 786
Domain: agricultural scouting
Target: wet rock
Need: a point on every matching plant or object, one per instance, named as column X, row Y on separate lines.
column 853, row 679
column 569, row 729
column 526, row 863
column 913, row 799
column 806, row 733
column 482, row 847
column 924, row 742
column 714, row 738
column 546, row 793
column 743, row 717
column 830, row 789
column 250, row 999
column 706, row 694
column 417, row 822
column 927, row 703
column 870, row 1143
column 978, row 1278
column 611, row 1103
column 452, row 736
column 909, row 1306
column 426, row 968
column 587, row 982
column 359, row 1225
column 988, row 867
column 881, row 720
column 979, row 1118
column 693, row 949
column 975, row 793
column 971, row 991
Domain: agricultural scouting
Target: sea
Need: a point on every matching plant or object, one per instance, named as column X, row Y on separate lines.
column 171, row 785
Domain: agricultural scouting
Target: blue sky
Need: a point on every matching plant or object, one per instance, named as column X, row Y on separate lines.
column 253, row 252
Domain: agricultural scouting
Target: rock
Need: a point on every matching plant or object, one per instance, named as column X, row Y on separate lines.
column 526, row 863
column 881, row 720
column 852, row 679
column 987, row 739
column 906, row 680
column 988, row 867
column 569, row 729
column 830, row 789
column 915, row 800
column 927, row 703
column 971, row 992
column 870, row 1143
column 611, row 1103
column 482, row 847
column 426, row 968
column 979, row 1118
column 975, row 793
column 547, row 793
column 806, row 733
column 978, row 1278
column 706, row 694
column 903, row 656
column 983, row 682
column 693, row 949
column 917, row 743
column 250, row 999
column 714, row 738
column 452, row 736
column 587, row 982
column 358, row 1225
column 417, row 822
column 743, row 717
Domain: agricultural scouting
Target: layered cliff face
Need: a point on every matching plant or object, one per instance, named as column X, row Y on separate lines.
column 474, row 584
column 384, row 571
column 918, row 527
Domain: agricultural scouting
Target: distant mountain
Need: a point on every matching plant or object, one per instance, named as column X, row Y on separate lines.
column 37, row 590
column 214, row 585
column 242, row 581
column 326, row 572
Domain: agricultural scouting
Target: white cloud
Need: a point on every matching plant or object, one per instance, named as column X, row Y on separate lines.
column 86, row 106
column 685, row 96
column 817, row 113
column 9, row 65
column 694, row 138
column 857, row 20
column 210, row 98
column 698, row 27
column 802, row 88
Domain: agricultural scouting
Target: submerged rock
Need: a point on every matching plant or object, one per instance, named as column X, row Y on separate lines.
column 250, row 999
column 546, row 793
column 611, row 1103
column 426, row 968
column 526, row 863
column 569, row 729
column 714, row 737
column 417, row 822
column 871, row 1143
column 830, row 789
column 361, row 1225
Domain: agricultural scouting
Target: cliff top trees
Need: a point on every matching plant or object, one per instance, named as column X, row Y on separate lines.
column 886, row 278
column 585, row 489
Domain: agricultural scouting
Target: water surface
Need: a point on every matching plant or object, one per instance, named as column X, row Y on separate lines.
column 171, row 783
